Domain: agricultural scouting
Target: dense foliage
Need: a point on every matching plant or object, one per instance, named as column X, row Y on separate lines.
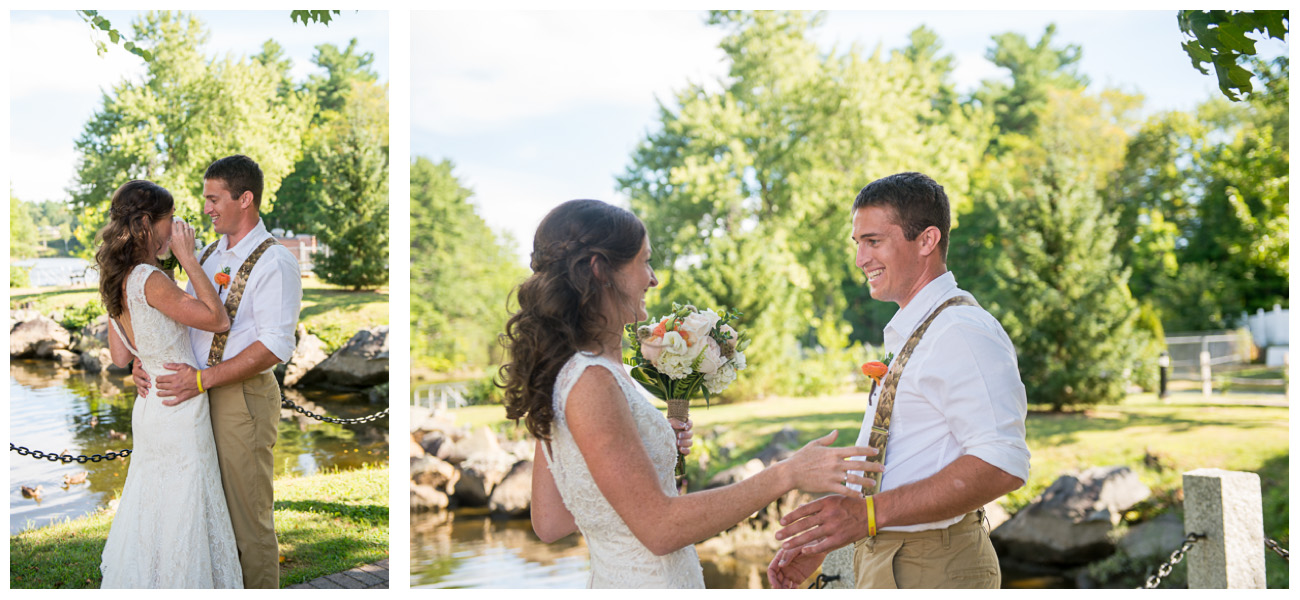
column 461, row 274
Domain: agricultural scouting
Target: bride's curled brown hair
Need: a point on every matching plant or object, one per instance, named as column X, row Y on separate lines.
column 127, row 240
column 561, row 304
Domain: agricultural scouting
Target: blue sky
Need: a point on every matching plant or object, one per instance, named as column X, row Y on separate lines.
column 535, row 108
column 55, row 87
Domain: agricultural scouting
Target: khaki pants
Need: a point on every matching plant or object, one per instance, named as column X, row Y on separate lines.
column 244, row 419
column 959, row 556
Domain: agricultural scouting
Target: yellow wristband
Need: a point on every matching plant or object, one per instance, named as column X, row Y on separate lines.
column 871, row 516
column 198, row 379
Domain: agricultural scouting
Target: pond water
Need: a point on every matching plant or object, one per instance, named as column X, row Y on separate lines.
column 61, row 411
column 466, row 549
column 58, row 271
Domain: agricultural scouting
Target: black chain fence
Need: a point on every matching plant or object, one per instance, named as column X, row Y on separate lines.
column 284, row 402
column 1177, row 557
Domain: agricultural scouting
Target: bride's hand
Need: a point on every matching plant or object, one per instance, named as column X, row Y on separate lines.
column 684, row 435
column 182, row 243
column 818, row 469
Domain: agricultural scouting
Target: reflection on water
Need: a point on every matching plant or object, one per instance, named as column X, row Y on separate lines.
column 472, row 551
column 465, row 549
column 70, row 412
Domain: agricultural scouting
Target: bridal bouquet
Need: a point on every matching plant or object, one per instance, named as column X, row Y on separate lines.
column 685, row 352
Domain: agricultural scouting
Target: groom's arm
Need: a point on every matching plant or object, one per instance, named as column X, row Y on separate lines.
column 278, row 293
column 183, row 384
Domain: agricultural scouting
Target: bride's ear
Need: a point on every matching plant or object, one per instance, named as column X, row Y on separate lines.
column 596, row 271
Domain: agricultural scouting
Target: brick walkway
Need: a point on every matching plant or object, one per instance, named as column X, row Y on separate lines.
column 365, row 577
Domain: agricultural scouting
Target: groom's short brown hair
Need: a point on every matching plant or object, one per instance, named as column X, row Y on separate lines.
column 918, row 202
column 240, row 174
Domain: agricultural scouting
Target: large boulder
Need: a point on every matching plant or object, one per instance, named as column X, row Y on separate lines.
column 433, row 472
column 309, row 353
column 425, row 497
column 38, row 337
column 1158, row 537
column 66, row 358
column 1071, row 522
column 360, row 363
column 91, row 337
column 479, row 474
column 512, row 497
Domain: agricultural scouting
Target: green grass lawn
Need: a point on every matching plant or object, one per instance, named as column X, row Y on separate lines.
column 325, row 523
column 329, row 312
column 1158, row 440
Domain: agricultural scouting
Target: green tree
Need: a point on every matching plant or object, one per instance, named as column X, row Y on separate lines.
column 23, row 241
column 1035, row 71
column 351, row 191
column 345, row 71
column 461, row 274
column 1219, row 37
column 778, row 155
column 182, row 116
column 1203, row 201
column 1059, row 291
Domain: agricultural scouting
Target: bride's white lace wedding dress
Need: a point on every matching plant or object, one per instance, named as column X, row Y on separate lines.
column 172, row 528
column 618, row 559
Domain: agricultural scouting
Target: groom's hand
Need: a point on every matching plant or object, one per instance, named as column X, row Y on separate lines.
column 823, row 525
column 180, row 386
column 789, row 568
column 141, row 378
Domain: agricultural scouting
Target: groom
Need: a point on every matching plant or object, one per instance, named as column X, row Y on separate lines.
column 262, row 295
column 956, row 428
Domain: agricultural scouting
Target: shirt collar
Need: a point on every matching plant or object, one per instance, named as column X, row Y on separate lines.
column 245, row 246
column 908, row 317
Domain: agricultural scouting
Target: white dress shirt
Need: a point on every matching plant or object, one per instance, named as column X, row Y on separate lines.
column 268, row 312
column 960, row 393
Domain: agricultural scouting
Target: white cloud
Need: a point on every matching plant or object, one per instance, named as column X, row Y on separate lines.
column 475, row 71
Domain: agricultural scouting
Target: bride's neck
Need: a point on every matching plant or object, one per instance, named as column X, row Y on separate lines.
column 609, row 345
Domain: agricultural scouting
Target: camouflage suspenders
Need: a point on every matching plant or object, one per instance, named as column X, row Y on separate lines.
column 880, row 426
column 236, row 293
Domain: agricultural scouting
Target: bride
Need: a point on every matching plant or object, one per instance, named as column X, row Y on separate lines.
column 591, row 270
column 172, row 528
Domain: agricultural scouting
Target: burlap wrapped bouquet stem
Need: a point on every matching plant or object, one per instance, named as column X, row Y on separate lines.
column 680, row 409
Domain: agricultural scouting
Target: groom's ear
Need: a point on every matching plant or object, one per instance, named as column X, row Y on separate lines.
column 246, row 199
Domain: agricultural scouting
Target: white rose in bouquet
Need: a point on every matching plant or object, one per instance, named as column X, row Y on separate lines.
column 712, row 357
column 696, row 328
column 738, row 361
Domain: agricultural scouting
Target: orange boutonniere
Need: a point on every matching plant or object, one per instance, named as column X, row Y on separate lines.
column 222, row 279
column 876, row 369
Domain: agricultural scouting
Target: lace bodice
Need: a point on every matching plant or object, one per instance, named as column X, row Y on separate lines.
column 172, row 528
column 158, row 339
column 618, row 558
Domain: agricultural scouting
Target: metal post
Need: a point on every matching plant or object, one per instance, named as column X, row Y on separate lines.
column 1164, row 374
column 1226, row 507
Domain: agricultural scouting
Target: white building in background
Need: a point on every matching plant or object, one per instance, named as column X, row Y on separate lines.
column 302, row 245
column 1271, row 333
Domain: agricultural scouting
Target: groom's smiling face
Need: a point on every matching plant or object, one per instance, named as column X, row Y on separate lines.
column 893, row 264
column 224, row 210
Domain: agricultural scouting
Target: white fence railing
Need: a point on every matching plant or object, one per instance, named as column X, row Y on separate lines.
column 440, row 397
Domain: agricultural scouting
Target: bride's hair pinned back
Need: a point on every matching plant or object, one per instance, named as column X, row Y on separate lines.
column 127, row 240
column 577, row 248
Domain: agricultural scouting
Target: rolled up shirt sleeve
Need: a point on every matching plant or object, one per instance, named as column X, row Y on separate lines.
column 278, row 294
column 981, row 395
